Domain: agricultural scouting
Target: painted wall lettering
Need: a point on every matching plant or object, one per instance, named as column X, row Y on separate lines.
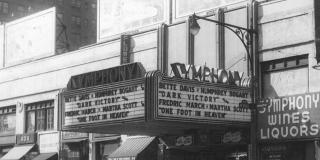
column 289, row 117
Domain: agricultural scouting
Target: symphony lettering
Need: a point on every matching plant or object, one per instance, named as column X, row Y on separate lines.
column 110, row 75
column 213, row 75
column 289, row 117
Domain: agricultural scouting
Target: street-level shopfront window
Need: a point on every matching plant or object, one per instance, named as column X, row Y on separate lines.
column 299, row 150
column 7, row 128
column 105, row 148
column 7, row 120
column 75, row 150
column 40, row 116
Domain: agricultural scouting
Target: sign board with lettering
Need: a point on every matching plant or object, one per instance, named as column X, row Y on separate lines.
column 289, row 117
column 28, row 138
column 30, row 37
column 150, row 101
column 191, row 101
column 120, row 102
column 74, row 135
column 105, row 76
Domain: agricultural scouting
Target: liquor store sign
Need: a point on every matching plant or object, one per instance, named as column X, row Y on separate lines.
column 289, row 117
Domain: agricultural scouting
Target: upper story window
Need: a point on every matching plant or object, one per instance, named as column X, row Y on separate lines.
column 85, row 23
column 73, row 2
column 40, row 116
column 21, row 10
column 60, row 16
column 85, row 5
column 286, row 76
column 60, row 2
column 76, row 3
column 94, row 6
column 76, row 21
column 7, row 120
column 4, row 7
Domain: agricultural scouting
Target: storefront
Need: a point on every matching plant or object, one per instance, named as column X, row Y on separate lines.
column 74, row 146
column 7, row 129
column 48, row 146
column 289, row 127
column 26, row 147
column 105, row 144
column 194, row 114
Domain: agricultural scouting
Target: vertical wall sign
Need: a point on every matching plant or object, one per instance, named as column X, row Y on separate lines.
column 125, row 49
column 289, row 117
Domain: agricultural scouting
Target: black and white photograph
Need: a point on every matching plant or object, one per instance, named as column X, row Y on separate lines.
column 159, row 79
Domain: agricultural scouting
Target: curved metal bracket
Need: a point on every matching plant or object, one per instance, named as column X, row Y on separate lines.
column 244, row 34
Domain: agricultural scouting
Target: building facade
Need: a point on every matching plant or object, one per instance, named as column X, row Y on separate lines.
column 76, row 19
column 54, row 97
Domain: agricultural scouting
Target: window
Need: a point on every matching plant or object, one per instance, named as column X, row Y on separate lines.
column 78, row 21
column 78, row 4
column 86, row 5
column 287, row 76
column 60, row 2
column 7, row 120
column 85, row 23
column 21, row 10
column 93, row 22
column 40, row 116
column 60, row 16
column 73, row 2
column 94, row 6
column 5, row 7
column 75, row 20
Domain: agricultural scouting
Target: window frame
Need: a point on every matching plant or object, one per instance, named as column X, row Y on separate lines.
column 8, row 110
column 5, row 8
column 36, row 108
column 279, row 65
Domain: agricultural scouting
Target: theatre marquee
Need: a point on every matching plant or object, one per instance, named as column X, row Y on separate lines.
column 149, row 101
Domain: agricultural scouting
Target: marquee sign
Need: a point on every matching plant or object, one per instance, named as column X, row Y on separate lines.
column 199, row 102
column 108, row 104
column 152, row 100
column 289, row 117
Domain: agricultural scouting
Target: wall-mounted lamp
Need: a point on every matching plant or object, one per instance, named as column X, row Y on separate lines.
column 244, row 34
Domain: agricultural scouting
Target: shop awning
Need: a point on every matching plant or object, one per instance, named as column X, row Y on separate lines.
column 17, row 152
column 46, row 156
column 132, row 147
